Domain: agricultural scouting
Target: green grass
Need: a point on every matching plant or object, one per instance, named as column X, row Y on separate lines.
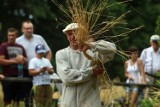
column 21, row 104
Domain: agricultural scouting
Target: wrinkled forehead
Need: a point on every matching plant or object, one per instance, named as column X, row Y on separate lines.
column 70, row 32
column 27, row 25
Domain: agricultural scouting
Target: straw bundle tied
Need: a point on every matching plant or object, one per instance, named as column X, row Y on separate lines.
column 93, row 25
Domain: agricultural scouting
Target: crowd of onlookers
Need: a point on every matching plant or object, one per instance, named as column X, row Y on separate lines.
column 29, row 56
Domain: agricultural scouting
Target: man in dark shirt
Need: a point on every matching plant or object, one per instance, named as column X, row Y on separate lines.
column 12, row 54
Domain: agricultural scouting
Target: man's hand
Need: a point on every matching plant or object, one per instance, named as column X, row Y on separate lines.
column 43, row 69
column 97, row 70
column 2, row 77
column 20, row 59
column 130, row 77
column 50, row 70
column 84, row 47
column 144, row 82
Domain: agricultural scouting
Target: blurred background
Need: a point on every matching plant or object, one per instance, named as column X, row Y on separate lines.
column 46, row 18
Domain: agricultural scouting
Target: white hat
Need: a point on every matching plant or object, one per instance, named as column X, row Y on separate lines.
column 155, row 38
column 71, row 26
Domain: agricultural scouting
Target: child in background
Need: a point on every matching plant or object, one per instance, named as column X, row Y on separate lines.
column 40, row 68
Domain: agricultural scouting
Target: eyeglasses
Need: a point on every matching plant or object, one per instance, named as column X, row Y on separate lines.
column 28, row 28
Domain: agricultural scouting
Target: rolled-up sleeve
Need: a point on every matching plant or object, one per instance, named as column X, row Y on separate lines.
column 104, row 50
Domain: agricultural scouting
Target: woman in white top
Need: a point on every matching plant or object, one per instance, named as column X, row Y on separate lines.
column 134, row 67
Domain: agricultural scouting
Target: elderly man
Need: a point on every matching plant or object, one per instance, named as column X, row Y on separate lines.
column 78, row 73
column 151, row 58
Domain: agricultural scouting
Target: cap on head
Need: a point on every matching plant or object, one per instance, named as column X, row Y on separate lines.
column 71, row 26
column 40, row 49
column 155, row 38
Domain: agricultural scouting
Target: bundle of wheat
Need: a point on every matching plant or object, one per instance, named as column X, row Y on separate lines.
column 94, row 24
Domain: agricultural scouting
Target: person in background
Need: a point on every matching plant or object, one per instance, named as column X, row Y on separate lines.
column 40, row 68
column 1, row 75
column 151, row 58
column 29, row 41
column 133, row 67
column 78, row 73
column 12, row 54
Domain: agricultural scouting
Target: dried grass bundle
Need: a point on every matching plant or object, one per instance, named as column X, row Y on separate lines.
column 94, row 24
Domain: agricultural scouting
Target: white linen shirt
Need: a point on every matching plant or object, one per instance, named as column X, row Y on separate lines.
column 151, row 60
column 29, row 45
column 80, row 86
column 37, row 64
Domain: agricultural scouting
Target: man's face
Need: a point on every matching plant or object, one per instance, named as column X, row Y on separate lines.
column 71, row 37
column 40, row 55
column 12, row 37
column 27, row 29
column 154, row 44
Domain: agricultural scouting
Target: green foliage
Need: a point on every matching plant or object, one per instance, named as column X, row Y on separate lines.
column 146, row 103
column 158, row 25
column 142, row 12
column 152, row 99
column 150, row 102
